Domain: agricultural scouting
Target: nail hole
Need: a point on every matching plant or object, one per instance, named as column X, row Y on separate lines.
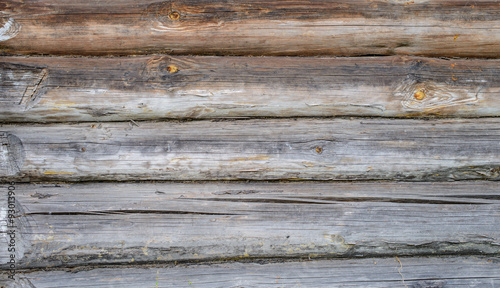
column 319, row 150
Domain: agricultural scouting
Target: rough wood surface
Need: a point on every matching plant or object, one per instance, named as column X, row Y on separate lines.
column 260, row 149
column 467, row 272
column 68, row 225
column 49, row 89
column 461, row 28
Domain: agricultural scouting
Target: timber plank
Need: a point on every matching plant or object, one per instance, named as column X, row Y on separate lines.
column 55, row 89
column 328, row 27
column 467, row 272
column 69, row 225
column 258, row 149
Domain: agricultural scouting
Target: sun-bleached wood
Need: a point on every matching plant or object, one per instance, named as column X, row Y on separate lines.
column 463, row 272
column 56, row 89
column 258, row 149
column 460, row 28
column 68, row 225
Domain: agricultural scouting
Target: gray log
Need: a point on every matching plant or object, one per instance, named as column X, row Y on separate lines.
column 312, row 149
column 67, row 225
column 462, row 272
column 54, row 89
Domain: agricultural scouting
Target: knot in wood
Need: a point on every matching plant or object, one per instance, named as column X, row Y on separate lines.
column 9, row 28
column 419, row 95
column 162, row 12
column 172, row 69
column 174, row 16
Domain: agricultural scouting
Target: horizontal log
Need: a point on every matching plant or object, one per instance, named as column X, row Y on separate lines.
column 252, row 27
column 378, row 272
column 69, row 225
column 52, row 89
column 313, row 149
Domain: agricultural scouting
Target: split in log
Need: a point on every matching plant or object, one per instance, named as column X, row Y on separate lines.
column 257, row 149
column 70, row 225
column 458, row 28
column 479, row 272
column 53, row 89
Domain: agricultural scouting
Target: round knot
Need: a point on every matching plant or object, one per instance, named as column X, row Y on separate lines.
column 419, row 95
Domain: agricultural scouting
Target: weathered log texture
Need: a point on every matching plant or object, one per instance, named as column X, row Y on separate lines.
column 146, row 223
column 360, row 27
column 313, row 149
column 49, row 89
column 378, row 273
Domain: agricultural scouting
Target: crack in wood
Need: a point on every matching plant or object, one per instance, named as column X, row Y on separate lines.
column 420, row 272
column 332, row 200
column 111, row 212
column 75, row 256
column 32, row 94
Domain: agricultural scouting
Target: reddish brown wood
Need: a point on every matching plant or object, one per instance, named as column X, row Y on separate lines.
column 285, row 27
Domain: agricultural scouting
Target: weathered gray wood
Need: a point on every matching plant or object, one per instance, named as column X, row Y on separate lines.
column 360, row 27
column 69, row 225
column 467, row 272
column 313, row 149
column 50, row 89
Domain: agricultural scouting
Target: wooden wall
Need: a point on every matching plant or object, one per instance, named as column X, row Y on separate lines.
column 178, row 143
column 458, row 28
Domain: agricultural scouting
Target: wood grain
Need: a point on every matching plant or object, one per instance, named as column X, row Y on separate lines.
column 55, row 89
column 68, row 225
column 252, row 27
column 260, row 149
column 378, row 272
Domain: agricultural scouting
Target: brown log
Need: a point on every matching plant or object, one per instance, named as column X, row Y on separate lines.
column 252, row 27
